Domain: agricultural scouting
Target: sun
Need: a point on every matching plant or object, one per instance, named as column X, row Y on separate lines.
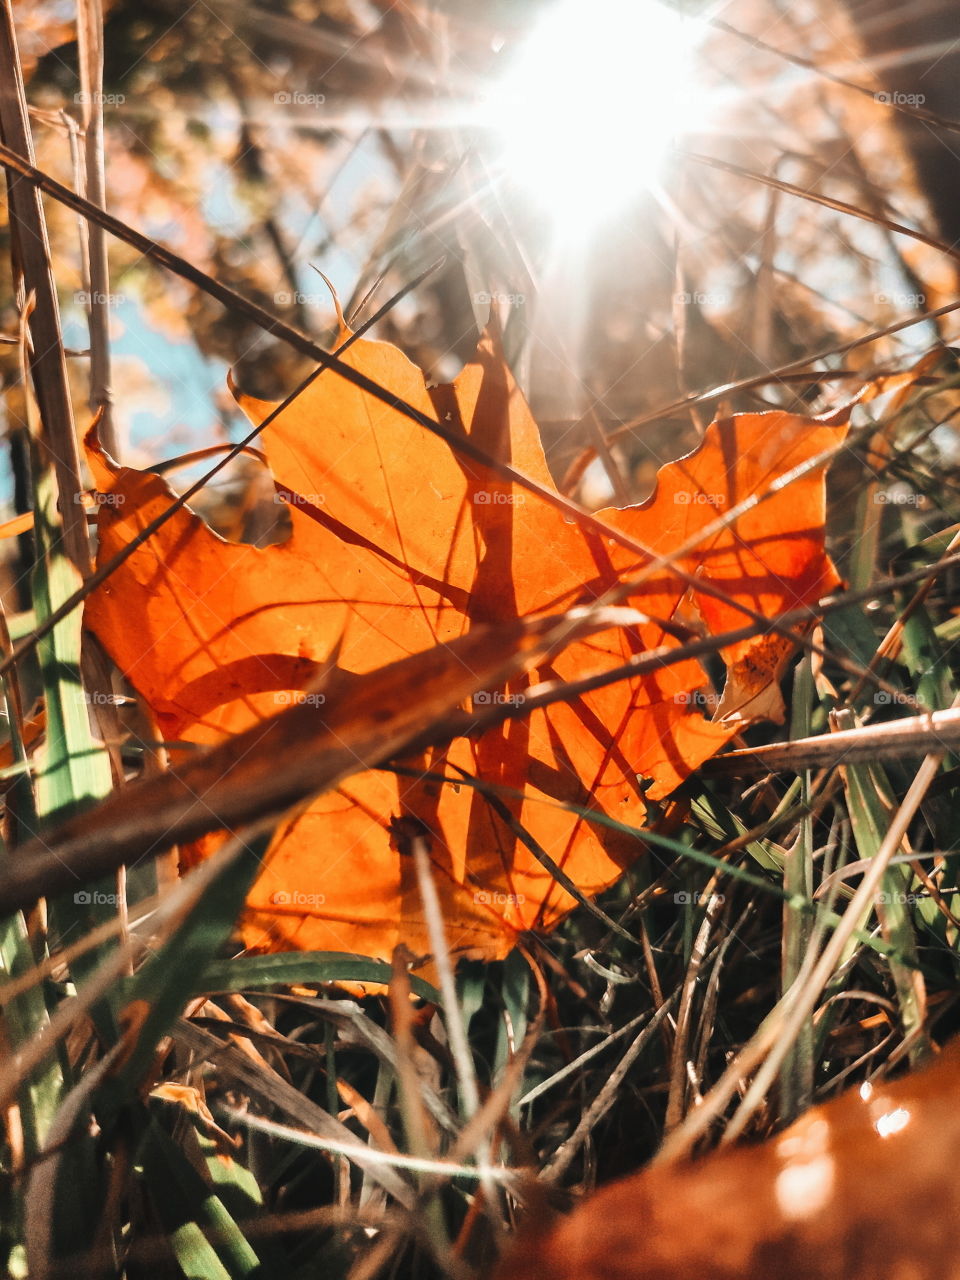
column 591, row 104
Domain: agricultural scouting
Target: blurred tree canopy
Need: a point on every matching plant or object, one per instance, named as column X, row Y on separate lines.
column 269, row 144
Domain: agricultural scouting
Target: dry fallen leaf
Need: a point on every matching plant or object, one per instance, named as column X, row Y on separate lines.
column 399, row 544
column 860, row 1188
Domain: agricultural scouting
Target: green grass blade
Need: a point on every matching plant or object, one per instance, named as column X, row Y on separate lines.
column 73, row 768
column 293, row 968
column 723, row 825
column 797, row 1072
column 866, row 788
column 157, row 994
column 206, row 1240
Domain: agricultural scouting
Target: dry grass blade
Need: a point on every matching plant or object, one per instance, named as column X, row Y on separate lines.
column 911, row 736
column 869, row 91
column 35, row 276
column 566, row 1154
column 90, row 51
column 828, row 202
column 271, row 1090
column 785, row 371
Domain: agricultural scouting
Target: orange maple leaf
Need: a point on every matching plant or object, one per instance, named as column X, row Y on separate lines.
column 399, row 543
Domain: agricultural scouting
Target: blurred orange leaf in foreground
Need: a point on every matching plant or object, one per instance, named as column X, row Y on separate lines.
column 399, row 544
column 860, row 1188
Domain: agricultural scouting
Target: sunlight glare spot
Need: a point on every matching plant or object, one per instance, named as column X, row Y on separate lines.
column 592, row 102
column 892, row 1122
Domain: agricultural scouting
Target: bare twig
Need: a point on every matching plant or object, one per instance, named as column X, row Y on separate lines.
column 90, row 45
column 912, row 736
column 48, row 367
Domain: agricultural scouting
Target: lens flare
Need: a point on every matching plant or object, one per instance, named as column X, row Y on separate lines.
column 591, row 104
